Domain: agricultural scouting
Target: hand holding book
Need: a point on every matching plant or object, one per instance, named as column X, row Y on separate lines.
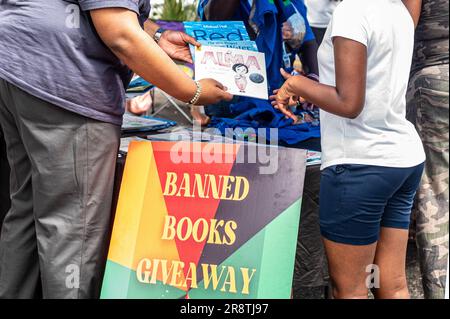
column 212, row 92
column 176, row 45
column 242, row 71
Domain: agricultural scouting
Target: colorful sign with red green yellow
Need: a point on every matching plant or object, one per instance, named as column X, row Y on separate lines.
column 204, row 230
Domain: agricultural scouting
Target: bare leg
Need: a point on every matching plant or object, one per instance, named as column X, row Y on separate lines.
column 347, row 264
column 390, row 257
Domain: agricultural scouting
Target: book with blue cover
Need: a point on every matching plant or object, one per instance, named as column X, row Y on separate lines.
column 230, row 34
column 241, row 45
column 217, row 31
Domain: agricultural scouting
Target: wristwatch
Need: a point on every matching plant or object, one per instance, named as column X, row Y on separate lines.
column 158, row 34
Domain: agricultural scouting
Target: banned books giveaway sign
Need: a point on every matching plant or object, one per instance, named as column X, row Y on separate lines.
column 207, row 221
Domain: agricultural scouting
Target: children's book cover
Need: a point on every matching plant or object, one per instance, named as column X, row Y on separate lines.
column 242, row 72
column 231, row 32
column 217, row 31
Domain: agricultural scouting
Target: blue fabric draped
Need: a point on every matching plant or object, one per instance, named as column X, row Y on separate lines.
column 258, row 114
column 269, row 17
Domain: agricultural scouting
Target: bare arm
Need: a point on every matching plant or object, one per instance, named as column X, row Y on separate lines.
column 347, row 98
column 414, row 7
column 221, row 10
column 173, row 43
column 151, row 27
column 137, row 49
column 134, row 47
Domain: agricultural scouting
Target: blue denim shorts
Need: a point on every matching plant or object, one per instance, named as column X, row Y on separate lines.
column 357, row 200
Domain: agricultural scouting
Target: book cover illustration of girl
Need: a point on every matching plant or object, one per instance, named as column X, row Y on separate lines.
column 241, row 76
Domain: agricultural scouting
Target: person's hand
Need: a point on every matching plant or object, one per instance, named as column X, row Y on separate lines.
column 294, row 100
column 140, row 104
column 282, row 99
column 287, row 76
column 176, row 45
column 199, row 116
column 213, row 92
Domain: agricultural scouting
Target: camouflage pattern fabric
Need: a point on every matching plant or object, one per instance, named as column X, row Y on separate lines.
column 428, row 104
column 431, row 45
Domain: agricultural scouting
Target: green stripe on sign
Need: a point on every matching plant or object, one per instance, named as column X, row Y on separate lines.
column 274, row 267
column 278, row 258
column 121, row 283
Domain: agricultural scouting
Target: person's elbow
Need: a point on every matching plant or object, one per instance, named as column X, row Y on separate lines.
column 121, row 43
column 353, row 108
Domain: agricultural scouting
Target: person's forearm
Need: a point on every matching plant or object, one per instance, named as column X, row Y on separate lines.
column 134, row 47
column 414, row 7
column 324, row 96
column 221, row 10
column 148, row 60
column 151, row 27
column 309, row 56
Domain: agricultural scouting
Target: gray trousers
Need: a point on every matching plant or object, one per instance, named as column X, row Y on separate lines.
column 55, row 234
column 4, row 180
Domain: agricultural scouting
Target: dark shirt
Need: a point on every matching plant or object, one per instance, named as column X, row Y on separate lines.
column 50, row 49
column 432, row 35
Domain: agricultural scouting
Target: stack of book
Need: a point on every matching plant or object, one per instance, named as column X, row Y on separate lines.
column 229, row 56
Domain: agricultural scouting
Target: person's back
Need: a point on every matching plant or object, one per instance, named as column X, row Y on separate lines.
column 432, row 35
column 65, row 62
column 380, row 135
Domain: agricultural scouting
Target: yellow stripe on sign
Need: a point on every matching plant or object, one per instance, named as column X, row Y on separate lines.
column 141, row 213
column 129, row 208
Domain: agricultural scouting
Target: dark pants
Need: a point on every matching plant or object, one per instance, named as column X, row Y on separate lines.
column 311, row 267
column 319, row 33
column 4, row 180
column 62, row 174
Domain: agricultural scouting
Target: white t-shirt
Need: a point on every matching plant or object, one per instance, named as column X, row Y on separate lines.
column 380, row 135
column 320, row 12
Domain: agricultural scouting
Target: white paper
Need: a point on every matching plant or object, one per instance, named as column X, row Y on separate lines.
column 242, row 72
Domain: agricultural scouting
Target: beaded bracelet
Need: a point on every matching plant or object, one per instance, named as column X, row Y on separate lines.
column 197, row 94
